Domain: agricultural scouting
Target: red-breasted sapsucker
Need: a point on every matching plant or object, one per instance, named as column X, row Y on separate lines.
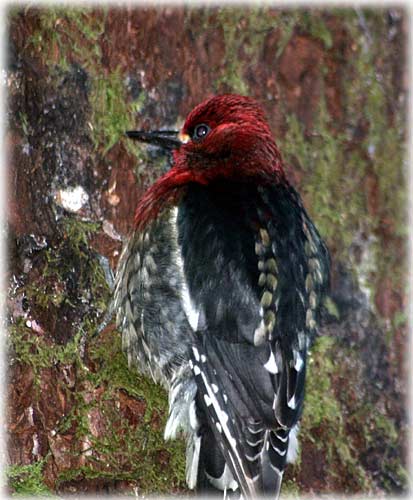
column 218, row 294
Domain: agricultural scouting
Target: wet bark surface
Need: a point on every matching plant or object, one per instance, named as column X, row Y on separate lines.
column 333, row 84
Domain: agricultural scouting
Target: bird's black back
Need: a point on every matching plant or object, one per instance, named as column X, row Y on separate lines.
column 256, row 269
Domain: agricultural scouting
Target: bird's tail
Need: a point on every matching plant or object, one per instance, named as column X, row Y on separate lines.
column 214, row 476
column 211, row 475
column 273, row 458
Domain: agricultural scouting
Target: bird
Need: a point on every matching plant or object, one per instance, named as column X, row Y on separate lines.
column 218, row 294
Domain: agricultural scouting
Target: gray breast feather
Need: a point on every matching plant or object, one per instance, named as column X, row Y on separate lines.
column 151, row 301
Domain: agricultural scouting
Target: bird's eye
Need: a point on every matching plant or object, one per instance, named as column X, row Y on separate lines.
column 200, row 131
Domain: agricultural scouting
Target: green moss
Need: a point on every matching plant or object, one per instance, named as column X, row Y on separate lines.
column 323, row 421
column 331, row 189
column 369, row 96
column 59, row 261
column 112, row 114
column 331, row 307
column 311, row 22
column 321, row 405
column 24, row 122
column 290, row 489
column 92, row 281
column 67, row 35
column 125, row 451
column 381, row 434
column 232, row 77
column 115, row 372
column 395, row 475
column 27, row 480
column 35, row 351
column 51, row 290
column 245, row 31
column 344, row 425
column 337, row 177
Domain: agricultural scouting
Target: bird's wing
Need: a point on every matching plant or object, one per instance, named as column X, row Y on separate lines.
column 262, row 367
column 149, row 300
column 292, row 291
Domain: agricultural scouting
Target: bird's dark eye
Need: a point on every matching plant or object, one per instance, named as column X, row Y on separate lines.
column 200, row 131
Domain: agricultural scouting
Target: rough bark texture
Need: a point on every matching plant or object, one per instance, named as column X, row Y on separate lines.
column 333, row 83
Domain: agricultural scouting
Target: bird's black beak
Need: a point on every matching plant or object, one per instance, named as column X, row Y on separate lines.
column 166, row 139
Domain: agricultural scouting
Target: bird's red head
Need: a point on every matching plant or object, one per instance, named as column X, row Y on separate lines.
column 226, row 137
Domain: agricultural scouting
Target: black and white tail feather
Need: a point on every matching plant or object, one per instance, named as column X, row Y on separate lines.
column 237, row 399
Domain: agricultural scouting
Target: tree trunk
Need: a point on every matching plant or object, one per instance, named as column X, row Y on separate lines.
column 333, row 83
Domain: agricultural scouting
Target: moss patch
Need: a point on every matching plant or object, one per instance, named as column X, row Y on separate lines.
column 323, row 422
column 344, row 423
column 244, row 33
column 133, row 445
column 355, row 172
column 67, row 35
column 27, row 480
column 116, row 415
